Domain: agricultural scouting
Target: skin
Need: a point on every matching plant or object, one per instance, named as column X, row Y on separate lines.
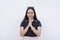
column 30, row 15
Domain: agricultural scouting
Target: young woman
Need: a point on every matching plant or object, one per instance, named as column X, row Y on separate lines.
column 30, row 28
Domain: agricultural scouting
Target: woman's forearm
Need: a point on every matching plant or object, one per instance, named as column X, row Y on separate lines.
column 37, row 32
column 24, row 31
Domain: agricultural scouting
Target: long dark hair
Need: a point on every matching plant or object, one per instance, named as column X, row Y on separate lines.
column 26, row 18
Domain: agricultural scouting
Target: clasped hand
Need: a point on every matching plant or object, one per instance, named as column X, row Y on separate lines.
column 30, row 23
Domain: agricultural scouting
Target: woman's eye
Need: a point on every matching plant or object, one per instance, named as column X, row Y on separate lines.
column 28, row 12
column 31, row 12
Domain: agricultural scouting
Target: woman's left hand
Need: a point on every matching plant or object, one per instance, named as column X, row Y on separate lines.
column 30, row 22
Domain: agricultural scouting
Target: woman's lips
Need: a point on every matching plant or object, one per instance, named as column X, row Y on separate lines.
column 30, row 16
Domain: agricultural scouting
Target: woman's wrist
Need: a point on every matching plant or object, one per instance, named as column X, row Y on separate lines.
column 32, row 28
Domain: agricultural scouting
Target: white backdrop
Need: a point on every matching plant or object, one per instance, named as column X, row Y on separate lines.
column 12, row 13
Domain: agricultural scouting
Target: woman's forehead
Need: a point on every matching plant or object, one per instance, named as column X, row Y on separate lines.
column 30, row 10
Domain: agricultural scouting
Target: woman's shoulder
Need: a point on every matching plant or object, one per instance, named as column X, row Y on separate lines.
column 37, row 20
column 25, row 21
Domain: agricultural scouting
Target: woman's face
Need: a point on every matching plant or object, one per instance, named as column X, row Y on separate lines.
column 30, row 14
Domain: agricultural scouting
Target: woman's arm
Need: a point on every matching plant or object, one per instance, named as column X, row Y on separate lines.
column 23, row 31
column 37, row 32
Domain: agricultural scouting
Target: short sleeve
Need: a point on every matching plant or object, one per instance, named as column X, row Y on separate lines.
column 39, row 23
column 22, row 24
